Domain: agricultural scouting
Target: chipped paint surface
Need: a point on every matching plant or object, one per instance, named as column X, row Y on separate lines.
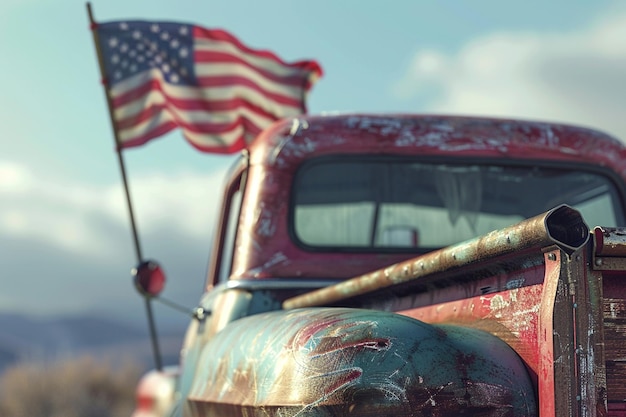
column 319, row 135
column 614, row 314
column 318, row 362
column 512, row 316
column 276, row 155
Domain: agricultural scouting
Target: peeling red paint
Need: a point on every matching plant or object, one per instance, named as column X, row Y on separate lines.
column 340, row 379
column 304, row 335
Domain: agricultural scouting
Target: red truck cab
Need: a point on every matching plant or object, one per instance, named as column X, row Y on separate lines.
column 415, row 265
column 401, row 186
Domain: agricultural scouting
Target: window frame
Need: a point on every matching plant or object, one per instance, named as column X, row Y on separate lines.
column 220, row 267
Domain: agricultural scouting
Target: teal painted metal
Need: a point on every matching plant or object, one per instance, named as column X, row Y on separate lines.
column 339, row 361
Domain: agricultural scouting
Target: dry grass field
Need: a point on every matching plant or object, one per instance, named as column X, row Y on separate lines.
column 76, row 387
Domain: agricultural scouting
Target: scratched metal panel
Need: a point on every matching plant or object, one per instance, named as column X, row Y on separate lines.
column 555, row 325
column 510, row 315
column 615, row 336
column 579, row 367
column 337, row 361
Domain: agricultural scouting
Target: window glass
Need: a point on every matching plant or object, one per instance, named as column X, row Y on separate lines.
column 229, row 238
column 395, row 203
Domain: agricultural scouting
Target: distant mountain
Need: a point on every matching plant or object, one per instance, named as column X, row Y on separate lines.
column 24, row 338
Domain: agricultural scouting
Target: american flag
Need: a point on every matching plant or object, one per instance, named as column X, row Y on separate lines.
column 164, row 75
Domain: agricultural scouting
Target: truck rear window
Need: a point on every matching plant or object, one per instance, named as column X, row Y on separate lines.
column 394, row 203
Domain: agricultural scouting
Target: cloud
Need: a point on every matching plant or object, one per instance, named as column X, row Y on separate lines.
column 86, row 219
column 65, row 246
column 575, row 77
column 40, row 278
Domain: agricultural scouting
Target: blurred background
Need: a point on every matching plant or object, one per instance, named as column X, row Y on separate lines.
column 65, row 242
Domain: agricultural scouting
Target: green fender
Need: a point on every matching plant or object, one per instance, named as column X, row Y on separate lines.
column 339, row 361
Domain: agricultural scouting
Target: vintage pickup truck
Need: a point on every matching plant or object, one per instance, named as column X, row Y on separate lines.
column 405, row 265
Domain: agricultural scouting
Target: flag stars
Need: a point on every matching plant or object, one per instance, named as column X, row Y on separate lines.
column 139, row 47
column 123, row 26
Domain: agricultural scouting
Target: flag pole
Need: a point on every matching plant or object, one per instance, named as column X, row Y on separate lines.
column 120, row 158
column 118, row 150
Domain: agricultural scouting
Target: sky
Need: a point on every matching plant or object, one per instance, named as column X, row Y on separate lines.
column 65, row 241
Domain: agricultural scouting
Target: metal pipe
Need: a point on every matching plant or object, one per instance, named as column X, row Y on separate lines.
column 610, row 241
column 562, row 226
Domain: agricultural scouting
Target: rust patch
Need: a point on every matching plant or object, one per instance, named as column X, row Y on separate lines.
column 335, row 344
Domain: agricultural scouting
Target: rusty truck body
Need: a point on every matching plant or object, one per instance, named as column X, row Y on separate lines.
column 404, row 265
